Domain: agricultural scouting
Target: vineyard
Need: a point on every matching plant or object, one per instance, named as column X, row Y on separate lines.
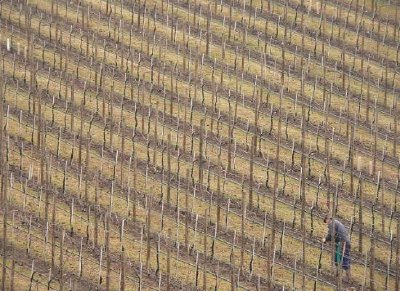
column 193, row 144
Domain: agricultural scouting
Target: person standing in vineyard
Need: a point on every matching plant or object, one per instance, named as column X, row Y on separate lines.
column 342, row 243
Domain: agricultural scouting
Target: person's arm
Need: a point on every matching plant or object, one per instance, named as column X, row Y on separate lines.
column 328, row 237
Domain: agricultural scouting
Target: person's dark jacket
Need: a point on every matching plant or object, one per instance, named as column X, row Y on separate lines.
column 341, row 234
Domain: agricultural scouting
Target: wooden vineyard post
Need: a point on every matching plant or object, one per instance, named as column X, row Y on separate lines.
column 12, row 275
column 5, row 210
column 2, row 143
column 3, row 178
column 71, row 218
column 122, row 126
column 187, row 210
column 96, row 207
column 372, row 252
column 232, row 267
column 375, row 129
column 230, row 20
column 158, row 271
column 219, row 199
column 274, row 226
column 155, row 136
column 228, row 168
column 360, row 214
column 122, row 258
column 205, row 250
column 343, row 58
column 208, row 34
column 100, row 278
column 81, row 135
column 201, row 156
column 395, row 117
column 169, row 169
column 169, row 261
column 252, row 152
column 33, row 274
column 386, row 82
column 53, row 233
column 242, row 228
column 283, row 50
column 327, row 147
column 397, row 281
column 135, row 169
column 368, row 97
column 80, row 260
column 110, row 113
column 87, row 160
column 383, row 186
column 107, row 217
column 62, row 260
column 148, row 226
column 303, row 197
column 72, row 106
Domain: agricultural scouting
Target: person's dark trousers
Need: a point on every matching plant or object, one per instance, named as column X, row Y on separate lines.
column 342, row 258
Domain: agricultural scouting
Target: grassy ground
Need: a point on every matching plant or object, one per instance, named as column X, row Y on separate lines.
column 118, row 172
